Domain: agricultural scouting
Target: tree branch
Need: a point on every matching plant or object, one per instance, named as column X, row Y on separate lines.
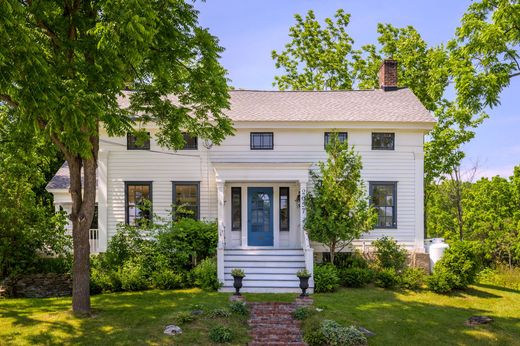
column 9, row 100
column 514, row 75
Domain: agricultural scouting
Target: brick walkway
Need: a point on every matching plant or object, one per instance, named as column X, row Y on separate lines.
column 273, row 324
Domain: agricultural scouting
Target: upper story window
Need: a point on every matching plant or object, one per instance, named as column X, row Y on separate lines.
column 383, row 141
column 186, row 196
column 262, row 141
column 342, row 137
column 134, row 142
column 384, row 199
column 138, row 202
column 190, row 142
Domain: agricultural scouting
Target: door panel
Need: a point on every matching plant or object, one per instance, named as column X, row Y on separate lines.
column 260, row 216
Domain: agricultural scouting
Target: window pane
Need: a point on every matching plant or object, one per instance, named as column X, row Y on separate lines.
column 383, row 141
column 190, row 142
column 342, row 137
column 261, row 140
column 236, row 208
column 138, row 199
column 186, row 196
column 284, row 209
column 135, row 143
column 383, row 199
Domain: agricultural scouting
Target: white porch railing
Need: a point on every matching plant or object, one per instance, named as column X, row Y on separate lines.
column 94, row 240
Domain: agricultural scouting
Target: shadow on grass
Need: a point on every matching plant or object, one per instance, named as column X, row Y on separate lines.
column 118, row 318
column 424, row 317
column 499, row 288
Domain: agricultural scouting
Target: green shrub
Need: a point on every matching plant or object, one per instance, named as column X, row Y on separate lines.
column 220, row 334
column 502, row 276
column 325, row 278
column 387, row 278
column 167, row 279
column 412, row 278
column 205, row 275
column 301, row 313
column 389, row 254
column 133, row 277
column 239, row 308
column 457, row 269
column 332, row 333
column 183, row 317
column 219, row 313
column 356, row 277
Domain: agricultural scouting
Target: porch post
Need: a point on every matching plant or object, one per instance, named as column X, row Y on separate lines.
column 221, row 230
column 307, row 250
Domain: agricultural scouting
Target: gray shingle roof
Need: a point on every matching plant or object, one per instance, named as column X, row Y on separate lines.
column 400, row 105
column 61, row 179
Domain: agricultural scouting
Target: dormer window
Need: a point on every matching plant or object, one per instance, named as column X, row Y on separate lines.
column 190, row 142
column 262, row 141
column 383, row 141
column 133, row 142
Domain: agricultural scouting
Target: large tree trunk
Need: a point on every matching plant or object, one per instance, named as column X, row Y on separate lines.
column 83, row 195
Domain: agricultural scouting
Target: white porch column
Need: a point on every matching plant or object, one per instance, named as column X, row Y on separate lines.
column 307, row 250
column 221, row 230
column 102, row 191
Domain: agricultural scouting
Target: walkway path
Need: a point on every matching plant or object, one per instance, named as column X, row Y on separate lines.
column 272, row 323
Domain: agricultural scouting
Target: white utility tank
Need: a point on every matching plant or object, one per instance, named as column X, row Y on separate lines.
column 436, row 250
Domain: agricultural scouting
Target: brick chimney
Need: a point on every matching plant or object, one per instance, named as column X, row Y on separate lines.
column 388, row 75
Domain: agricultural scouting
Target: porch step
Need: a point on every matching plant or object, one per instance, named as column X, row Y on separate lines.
column 267, row 270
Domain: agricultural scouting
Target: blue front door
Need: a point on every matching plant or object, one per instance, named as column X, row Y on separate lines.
column 260, row 216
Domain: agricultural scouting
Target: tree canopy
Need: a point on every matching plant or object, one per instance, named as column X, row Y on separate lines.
column 64, row 64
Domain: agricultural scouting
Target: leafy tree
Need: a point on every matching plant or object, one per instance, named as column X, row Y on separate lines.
column 338, row 210
column 64, row 63
column 29, row 228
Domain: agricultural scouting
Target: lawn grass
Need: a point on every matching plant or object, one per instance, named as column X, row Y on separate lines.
column 119, row 319
column 398, row 318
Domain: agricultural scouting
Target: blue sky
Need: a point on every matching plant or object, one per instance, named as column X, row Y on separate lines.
column 250, row 29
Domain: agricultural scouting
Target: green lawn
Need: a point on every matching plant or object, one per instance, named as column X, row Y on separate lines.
column 398, row 318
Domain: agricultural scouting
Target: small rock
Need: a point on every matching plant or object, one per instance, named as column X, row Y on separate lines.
column 197, row 312
column 172, row 330
column 366, row 331
column 478, row 320
column 319, row 310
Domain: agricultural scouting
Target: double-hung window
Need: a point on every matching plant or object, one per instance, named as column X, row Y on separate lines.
column 141, row 142
column 383, row 141
column 138, row 202
column 342, row 137
column 186, row 199
column 262, row 141
column 384, row 199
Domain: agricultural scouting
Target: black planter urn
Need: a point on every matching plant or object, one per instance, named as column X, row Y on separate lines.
column 237, row 283
column 304, row 284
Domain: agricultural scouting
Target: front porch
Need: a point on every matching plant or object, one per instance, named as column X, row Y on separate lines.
column 260, row 225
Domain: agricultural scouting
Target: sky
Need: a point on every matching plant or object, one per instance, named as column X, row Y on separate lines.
column 250, row 29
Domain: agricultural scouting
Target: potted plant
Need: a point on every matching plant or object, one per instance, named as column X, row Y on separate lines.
column 303, row 275
column 238, row 275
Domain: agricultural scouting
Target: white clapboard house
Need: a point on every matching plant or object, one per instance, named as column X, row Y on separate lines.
column 252, row 183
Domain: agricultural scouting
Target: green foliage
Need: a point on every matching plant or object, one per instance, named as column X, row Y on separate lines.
column 501, row 276
column 183, row 317
column 330, row 332
column 167, row 279
column 389, row 255
column 239, row 308
column 237, row 272
column 387, row 278
column 326, row 278
column 303, row 273
column 412, row 278
column 301, row 313
column 220, row 334
column 205, row 275
column 355, row 277
column 219, row 313
column 133, row 276
column 338, row 210
column 457, row 269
